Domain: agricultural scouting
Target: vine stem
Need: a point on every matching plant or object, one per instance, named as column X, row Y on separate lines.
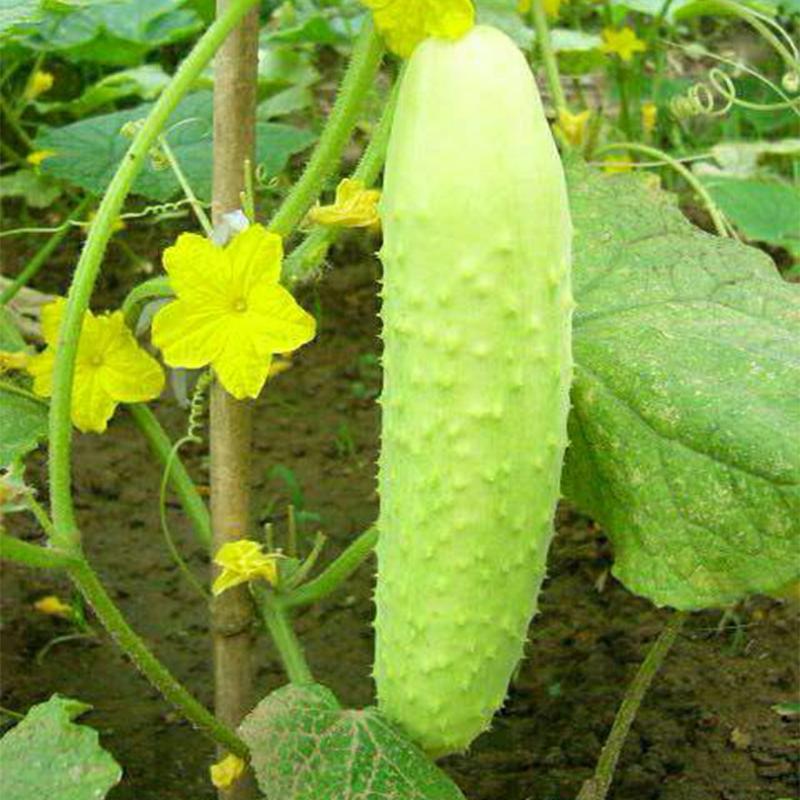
column 32, row 555
column 304, row 260
column 358, row 79
column 596, row 788
column 180, row 175
column 67, row 534
column 333, row 575
column 548, row 55
column 280, row 629
column 95, row 594
column 717, row 218
column 39, row 259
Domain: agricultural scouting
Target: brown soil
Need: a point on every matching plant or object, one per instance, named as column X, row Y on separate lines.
column 707, row 731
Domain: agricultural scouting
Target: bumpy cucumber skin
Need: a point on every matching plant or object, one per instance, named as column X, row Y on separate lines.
column 477, row 364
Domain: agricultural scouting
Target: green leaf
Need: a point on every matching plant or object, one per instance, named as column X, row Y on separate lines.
column 763, row 209
column 119, row 32
column 503, row 14
column 23, row 416
column 145, row 82
column 685, row 422
column 47, row 756
column 16, row 13
column 304, row 746
column 87, row 152
column 37, row 190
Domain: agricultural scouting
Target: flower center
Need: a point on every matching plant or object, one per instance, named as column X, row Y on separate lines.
column 240, row 305
column 97, row 361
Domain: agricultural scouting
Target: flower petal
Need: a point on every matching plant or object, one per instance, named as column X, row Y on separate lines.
column 41, row 368
column 227, row 580
column 188, row 336
column 255, row 255
column 51, row 316
column 129, row 374
column 92, row 406
column 242, row 369
column 198, row 270
column 278, row 323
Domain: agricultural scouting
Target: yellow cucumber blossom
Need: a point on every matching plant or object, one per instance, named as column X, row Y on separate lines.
column 37, row 156
column 39, row 83
column 405, row 23
column 649, row 117
column 242, row 561
column 572, row 127
column 226, row 771
column 53, row 606
column 230, row 311
column 110, row 367
column 623, row 43
column 355, row 206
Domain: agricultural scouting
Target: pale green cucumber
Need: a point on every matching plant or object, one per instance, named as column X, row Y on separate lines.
column 476, row 329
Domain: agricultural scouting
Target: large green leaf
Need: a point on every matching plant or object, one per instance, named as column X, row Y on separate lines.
column 23, row 417
column 48, row 756
column 118, row 32
column 304, row 746
column 87, row 152
column 685, row 427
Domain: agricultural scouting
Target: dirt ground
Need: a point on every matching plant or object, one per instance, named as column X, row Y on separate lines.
column 708, row 730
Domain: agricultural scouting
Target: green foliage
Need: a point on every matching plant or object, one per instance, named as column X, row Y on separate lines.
column 763, row 209
column 118, row 32
column 304, row 746
column 36, row 189
column 23, row 417
column 685, row 419
column 88, row 151
column 48, row 756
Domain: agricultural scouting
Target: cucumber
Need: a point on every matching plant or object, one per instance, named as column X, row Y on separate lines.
column 477, row 364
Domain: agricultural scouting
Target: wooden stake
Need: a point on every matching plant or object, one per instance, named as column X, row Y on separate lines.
column 235, row 74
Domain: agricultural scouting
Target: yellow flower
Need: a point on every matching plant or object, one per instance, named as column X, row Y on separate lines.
column 37, row 156
column 242, row 561
column 19, row 359
column 231, row 312
column 39, row 83
column 110, row 367
column 227, row 771
column 405, row 23
column 649, row 117
column 623, row 43
column 617, row 163
column 53, row 606
column 355, row 206
column 572, row 127
column 551, row 7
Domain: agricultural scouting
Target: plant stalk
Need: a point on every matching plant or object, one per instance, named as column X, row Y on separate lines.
column 357, row 82
column 33, row 555
column 548, row 55
column 232, row 617
column 596, row 788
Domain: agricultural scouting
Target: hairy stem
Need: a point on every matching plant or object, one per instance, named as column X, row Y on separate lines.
column 548, row 55
column 277, row 622
column 597, row 787
column 334, row 575
column 95, row 594
column 358, row 80
column 32, row 555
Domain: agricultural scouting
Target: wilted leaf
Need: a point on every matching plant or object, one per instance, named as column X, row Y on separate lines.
column 47, row 756
column 304, row 746
column 685, row 423
column 87, row 152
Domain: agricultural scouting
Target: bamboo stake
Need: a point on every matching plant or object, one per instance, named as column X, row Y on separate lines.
column 235, row 74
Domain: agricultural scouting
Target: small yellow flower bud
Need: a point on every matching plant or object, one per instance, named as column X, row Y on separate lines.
column 241, row 562
column 16, row 360
column 623, row 43
column 572, row 127
column 355, row 206
column 53, row 606
column 227, row 771
column 37, row 156
column 39, row 83
column 649, row 117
